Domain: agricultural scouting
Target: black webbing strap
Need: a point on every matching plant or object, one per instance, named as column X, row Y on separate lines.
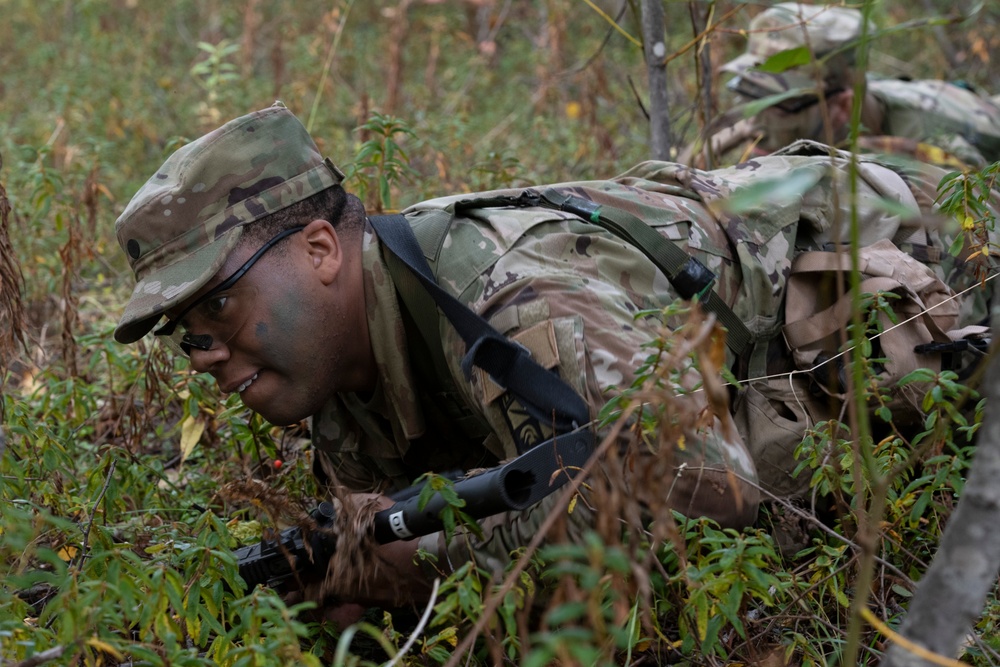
column 426, row 354
column 686, row 274
column 542, row 393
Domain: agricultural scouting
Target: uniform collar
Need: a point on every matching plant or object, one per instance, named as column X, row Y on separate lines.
column 389, row 345
column 383, row 424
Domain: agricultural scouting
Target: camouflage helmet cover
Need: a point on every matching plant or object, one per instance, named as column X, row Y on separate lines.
column 181, row 225
column 828, row 32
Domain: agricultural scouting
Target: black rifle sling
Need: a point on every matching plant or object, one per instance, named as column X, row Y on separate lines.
column 421, row 321
column 542, row 393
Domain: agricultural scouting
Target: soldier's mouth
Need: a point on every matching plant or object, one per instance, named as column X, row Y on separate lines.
column 246, row 384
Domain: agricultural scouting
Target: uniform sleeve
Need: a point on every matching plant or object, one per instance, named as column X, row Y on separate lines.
column 346, row 469
column 589, row 323
column 960, row 147
column 347, row 455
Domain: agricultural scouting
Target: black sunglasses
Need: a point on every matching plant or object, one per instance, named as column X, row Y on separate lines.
column 204, row 342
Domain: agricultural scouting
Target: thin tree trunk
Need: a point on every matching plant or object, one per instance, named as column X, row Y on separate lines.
column 549, row 42
column 951, row 595
column 700, row 11
column 399, row 29
column 248, row 43
column 941, row 37
column 12, row 319
column 655, row 50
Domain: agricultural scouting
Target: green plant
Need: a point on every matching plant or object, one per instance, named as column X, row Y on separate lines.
column 380, row 163
column 214, row 74
column 966, row 196
column 110, row 472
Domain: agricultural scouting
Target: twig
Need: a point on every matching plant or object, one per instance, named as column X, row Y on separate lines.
column 420, row 625
column 490, row 607
column 614, row 23
column 701, row 35
column 819, row 524
column 607, row 37
column 93, row 511
column 326, row 66
column 44, row 656
column 912, row 647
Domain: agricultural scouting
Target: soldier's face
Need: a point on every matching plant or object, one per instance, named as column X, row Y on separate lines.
column 214, row 316
column 781, row 128
column 295, row 342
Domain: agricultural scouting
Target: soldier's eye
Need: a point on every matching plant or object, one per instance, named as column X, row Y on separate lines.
column 215, row 307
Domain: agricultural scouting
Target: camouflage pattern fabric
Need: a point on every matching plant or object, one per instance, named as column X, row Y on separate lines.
column 963, row 126
column 918, row 150
column 931, row 229
column 570, row 290
column 933, row 122
column 828, row 31
column 567, row 290
column 179, row 228
column 940, row 114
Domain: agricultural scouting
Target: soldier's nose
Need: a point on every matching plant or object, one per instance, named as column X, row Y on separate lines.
column 203, row 361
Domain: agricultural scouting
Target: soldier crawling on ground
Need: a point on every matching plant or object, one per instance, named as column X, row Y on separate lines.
column 935, row 121
column 274, row 280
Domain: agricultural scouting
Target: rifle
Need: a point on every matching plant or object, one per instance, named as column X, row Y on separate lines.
column 514, row 486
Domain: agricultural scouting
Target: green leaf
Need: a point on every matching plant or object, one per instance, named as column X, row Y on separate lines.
column 751, row 109
column 426, row 493
column 701, row 616
column 785, row 60
column 384, row 191
column 893, row 207
column 565, row 613
column 450, row 496
column 448, row 520
column 471, row 524
column 899, row 590
column 956, row 246
column 919, row 507
column 773, row 191
column 538, row 658
column 842, row 598
column 918, row 375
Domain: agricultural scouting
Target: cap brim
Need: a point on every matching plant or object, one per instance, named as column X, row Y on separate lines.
column 778, row 83
column 172, row 285
column 741, row 64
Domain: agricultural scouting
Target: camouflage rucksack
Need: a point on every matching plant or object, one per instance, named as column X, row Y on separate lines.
column 775, row 407
column 791, row 369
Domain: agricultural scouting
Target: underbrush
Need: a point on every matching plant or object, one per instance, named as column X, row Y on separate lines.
column 117, row 542
column 116, row 539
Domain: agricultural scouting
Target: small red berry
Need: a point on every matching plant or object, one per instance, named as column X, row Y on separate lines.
column 277, row 463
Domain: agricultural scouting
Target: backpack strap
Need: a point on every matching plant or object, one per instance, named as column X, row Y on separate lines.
column 686, row 274
column 420, row 319
column 542, row 393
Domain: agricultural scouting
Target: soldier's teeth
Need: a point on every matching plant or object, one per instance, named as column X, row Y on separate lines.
column 239, row 390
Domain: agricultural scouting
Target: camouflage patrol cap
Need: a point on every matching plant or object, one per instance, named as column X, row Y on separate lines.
column 182, row 224
column 828, row 31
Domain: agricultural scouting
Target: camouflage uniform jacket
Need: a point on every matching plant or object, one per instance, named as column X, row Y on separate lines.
column 940, row 114
column 570, row 292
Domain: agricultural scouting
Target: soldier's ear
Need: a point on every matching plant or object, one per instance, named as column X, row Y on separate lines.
column 324, row 248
